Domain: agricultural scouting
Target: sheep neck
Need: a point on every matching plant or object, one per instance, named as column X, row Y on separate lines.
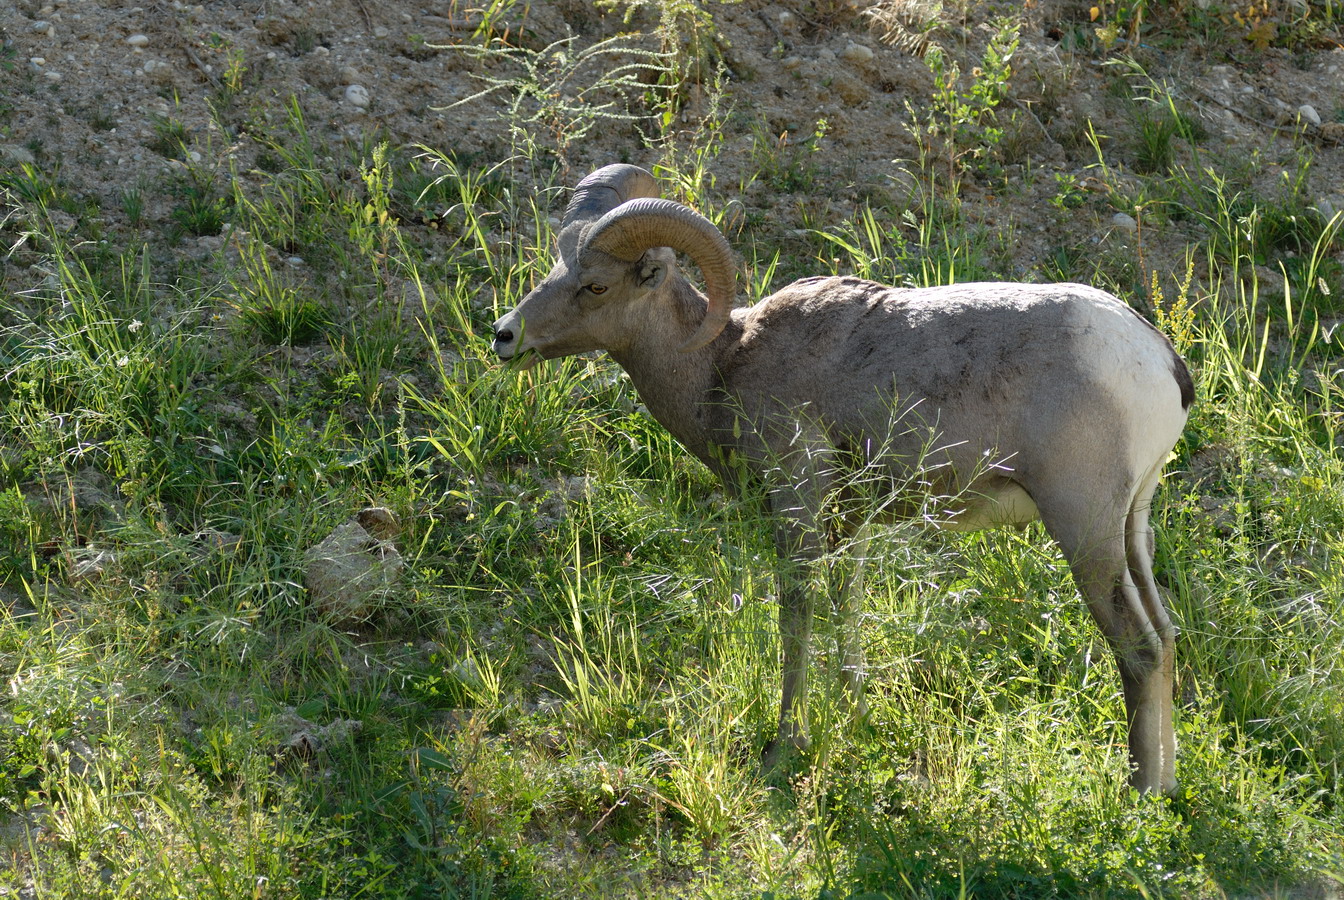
column 674, row 385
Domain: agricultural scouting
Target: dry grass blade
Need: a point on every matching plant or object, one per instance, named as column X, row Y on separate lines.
column 905, row 24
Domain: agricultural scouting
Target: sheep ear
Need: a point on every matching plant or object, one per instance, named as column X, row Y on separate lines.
column 652, row 271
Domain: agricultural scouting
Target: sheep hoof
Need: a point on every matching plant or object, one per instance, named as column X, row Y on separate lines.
column 781, row 752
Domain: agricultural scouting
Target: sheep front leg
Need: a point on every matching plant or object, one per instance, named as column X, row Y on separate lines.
column 795, row 635
column 798, row 546
column 799, row 481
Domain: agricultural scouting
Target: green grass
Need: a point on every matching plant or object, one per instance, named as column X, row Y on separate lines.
column 568, row 692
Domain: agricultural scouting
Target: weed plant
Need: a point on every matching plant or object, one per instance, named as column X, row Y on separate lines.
column 560, row 93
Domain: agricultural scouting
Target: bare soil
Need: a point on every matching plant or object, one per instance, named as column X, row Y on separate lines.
column 91, row 92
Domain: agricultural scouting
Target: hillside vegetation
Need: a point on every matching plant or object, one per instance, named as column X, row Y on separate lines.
column 244, row 331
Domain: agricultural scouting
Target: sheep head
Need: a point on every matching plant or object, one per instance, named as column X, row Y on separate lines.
column 616, row 249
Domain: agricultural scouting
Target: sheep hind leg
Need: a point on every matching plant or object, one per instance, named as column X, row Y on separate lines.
column 1093, row 540
column 1139, row 551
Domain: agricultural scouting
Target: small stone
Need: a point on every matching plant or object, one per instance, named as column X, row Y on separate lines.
column 37, row 61
column 856, row 53
column 1309, row 114
column 850, row 89
column 1125, row 222
column 51, row 76
column 787, row 19
column 349, row 75
column 41, row 26
column 138, row 41
column 223, row 541
column 1269, row 278
column 357, row 96
column 791, row 62
column 87, row 564
column 380, row 32
column 466, row 671
column 16, row 155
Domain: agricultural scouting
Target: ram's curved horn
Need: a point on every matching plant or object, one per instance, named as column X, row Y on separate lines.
column 598, row 194
column 630, row 229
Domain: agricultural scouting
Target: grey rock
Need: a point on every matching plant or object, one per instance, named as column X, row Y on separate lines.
column 351, row 573
column 87, row 564
column 857, row 54
column 357, row 96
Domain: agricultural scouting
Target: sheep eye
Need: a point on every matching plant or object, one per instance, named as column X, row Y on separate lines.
column 597, row 288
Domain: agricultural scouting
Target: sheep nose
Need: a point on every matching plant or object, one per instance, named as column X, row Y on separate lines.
column 503, row 343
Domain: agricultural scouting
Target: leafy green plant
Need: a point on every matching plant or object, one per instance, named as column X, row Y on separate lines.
column 1118, row 18
column 133, row 205
column 788, row 166
column 687, row 37
column 931, row 247
column 962, row 126
column 39, row 189
column 202, row 210
column 1069, row 192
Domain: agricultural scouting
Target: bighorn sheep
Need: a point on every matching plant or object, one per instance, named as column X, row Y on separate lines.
column 1049, row 401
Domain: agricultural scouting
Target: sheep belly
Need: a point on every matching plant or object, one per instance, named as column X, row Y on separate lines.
column 1005, row 503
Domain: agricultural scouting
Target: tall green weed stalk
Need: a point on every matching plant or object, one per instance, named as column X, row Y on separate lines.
column 963, row 127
